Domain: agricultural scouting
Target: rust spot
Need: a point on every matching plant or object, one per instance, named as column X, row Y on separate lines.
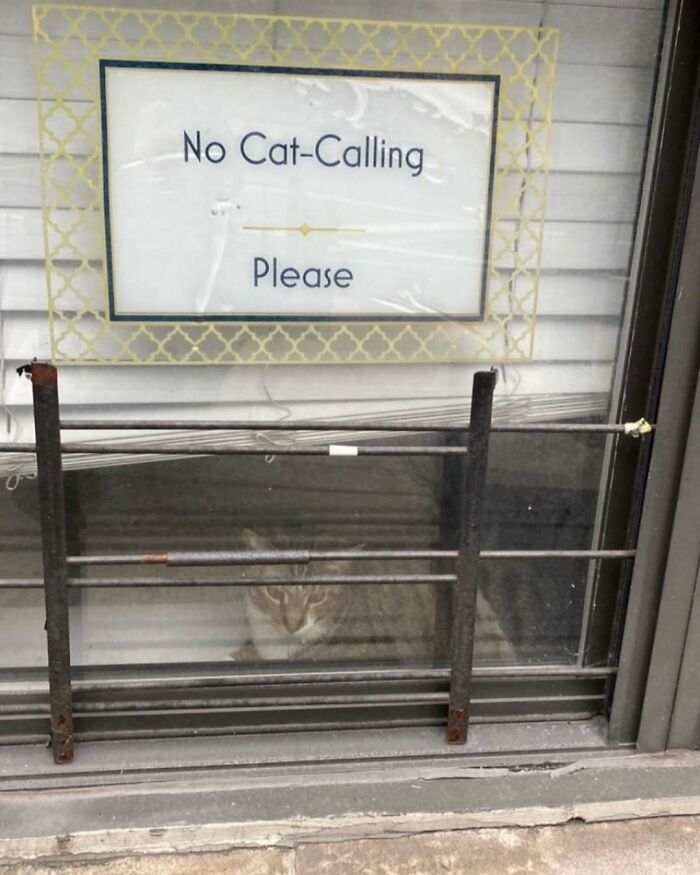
column 63, row 750
column 62, row 739
column 155, row 558
column 457, row 722
column 43, row 374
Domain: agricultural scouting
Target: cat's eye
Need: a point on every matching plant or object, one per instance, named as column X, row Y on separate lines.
column 316, row 598
column 276, row 593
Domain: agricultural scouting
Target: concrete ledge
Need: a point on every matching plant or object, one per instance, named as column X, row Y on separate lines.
column 281, row 811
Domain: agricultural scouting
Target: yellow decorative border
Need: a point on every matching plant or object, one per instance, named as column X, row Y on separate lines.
column 69, row 41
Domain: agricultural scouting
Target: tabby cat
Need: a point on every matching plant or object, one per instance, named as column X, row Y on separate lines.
column 345, row 622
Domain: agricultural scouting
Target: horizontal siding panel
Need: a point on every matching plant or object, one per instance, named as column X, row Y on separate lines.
column 174, row 390
column 19, row 126
column 579, row 246
column 588, row 197
column 611, row 95
column 583, row 246
column 21, row 235
column 17, row 75
column 586, row 340
column 23, row 286
column 580, row 295
column 25, row 336
column 620, row 4
column 20, row 181
column 577, row 148
column 515, row 12
column 605, row 35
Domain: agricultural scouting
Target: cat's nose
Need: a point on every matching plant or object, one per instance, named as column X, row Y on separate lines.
column 293, row 620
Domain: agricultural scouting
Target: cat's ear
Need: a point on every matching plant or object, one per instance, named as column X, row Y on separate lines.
column 254, row 541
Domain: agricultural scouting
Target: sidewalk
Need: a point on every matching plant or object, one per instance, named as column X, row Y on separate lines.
column 663, row 845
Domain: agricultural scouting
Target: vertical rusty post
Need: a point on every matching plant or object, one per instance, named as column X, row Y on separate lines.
column 53, row 542
column 464, row 602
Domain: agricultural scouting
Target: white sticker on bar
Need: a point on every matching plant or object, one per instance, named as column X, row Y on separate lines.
column 341, row 450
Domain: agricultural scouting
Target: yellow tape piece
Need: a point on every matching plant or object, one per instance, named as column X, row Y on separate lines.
column 638, row 428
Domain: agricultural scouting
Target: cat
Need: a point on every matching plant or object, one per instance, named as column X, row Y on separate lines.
column 388, row 623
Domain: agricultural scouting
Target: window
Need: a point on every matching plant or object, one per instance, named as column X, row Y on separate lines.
column 572, row 137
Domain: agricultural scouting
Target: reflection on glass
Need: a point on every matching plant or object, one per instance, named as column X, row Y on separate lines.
column 541, row 493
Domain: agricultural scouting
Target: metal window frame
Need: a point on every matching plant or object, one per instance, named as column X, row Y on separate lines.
column 670, row 712
column 664, row 357
column 645, row 331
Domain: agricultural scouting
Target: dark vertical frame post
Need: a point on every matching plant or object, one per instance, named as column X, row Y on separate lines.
column 467, row 566
column 53, row 541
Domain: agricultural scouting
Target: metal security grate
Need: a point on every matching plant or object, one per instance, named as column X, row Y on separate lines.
column 70, row 41
column 49, row 450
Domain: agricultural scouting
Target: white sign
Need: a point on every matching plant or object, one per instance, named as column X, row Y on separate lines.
column 273, row 194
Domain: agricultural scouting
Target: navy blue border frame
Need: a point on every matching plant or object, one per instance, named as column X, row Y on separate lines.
column 301, row 71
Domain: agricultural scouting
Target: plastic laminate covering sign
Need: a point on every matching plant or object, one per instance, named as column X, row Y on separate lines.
column 275, row 194
column 254, row 189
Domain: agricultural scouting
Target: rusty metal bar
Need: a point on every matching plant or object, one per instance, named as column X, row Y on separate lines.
column 136, row 582
column 467, row 565
column 219, row 703
column 253, row 557
column 350, row 675
column 53, row 544
column 302, row 557
column 557, row 554
column 77, row 582
column 301, row 425
column 87, row 448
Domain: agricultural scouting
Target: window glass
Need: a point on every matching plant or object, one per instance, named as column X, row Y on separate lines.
column 542, row 491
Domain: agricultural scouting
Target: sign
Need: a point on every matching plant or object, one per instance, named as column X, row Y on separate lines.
column 411, row 155
column 237, row 193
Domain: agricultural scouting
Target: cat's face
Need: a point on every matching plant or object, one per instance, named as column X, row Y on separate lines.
column 296, row 609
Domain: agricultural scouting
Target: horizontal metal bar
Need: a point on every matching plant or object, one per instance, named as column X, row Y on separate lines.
column 227, row 704
column 299, row 557
column 254, row 557
column 568, row 428
column 149, row 733
column 557, row 554
column 238, row 425
column 136, row 582
column 416, row 674
column 87, row 448
column 299, row 425
column 280, row 701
